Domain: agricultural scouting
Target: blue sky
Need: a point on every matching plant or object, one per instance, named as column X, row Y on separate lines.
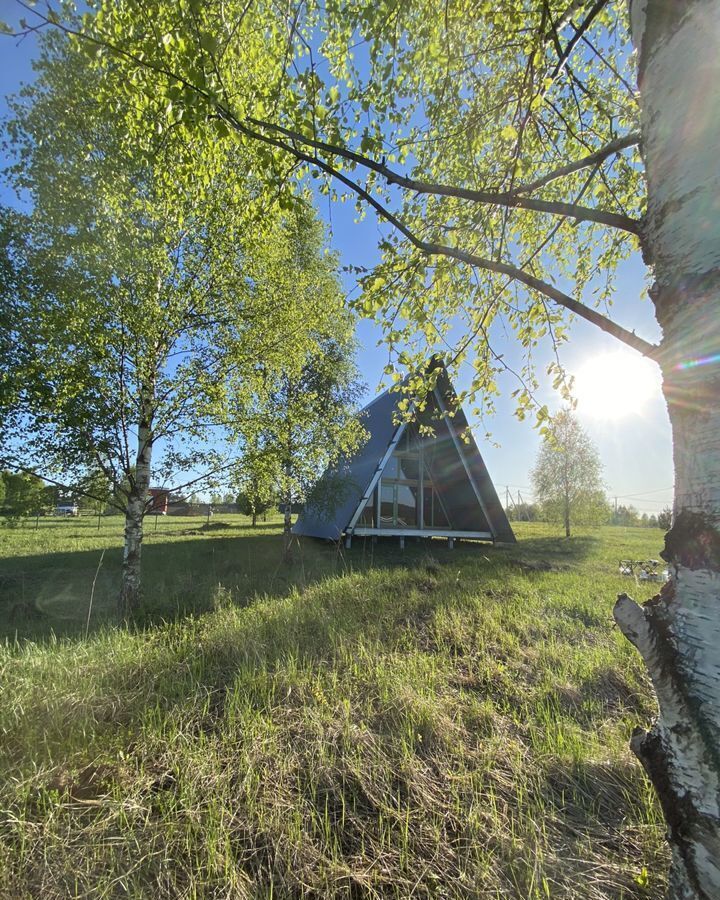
column 635, row 447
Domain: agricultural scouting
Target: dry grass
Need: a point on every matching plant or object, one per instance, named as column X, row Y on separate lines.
column 454, row 726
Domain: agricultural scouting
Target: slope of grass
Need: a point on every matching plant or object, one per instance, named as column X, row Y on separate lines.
column 431, row 724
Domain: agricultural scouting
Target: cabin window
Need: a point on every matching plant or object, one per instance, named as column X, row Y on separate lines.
column 408, row 500
column 406, row 506
column 434, row 515
column 387, row 504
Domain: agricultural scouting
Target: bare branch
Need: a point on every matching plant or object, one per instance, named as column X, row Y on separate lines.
column 592, row 159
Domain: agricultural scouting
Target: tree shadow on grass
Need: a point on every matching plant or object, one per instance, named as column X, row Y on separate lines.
column 557, row 550
column 185, row 572
column 109, row 717
column 196, row 665
column 53, row 594
column 272, row 680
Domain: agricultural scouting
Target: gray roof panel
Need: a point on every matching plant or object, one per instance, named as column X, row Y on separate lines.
column 355, row 474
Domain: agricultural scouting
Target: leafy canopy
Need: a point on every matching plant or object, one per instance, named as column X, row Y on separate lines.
column 134, row 280
column 498, row 139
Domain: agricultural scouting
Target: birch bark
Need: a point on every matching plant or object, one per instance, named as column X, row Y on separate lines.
column 678, row 632
column 287, row 520
column 131, row 588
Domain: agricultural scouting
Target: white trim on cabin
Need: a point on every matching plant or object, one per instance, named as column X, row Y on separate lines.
column 376, row 477
column 423, row 532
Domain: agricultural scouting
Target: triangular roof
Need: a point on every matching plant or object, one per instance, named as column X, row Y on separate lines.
column 353, row 482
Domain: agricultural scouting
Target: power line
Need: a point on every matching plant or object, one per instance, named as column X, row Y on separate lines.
column 644, row 493
column 636, row 495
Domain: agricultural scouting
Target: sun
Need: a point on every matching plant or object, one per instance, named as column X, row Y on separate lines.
column 615, row 385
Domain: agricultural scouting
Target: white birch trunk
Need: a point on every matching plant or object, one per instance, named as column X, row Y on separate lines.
column 678, row 632
column 288, row 472
column 287, row 521
column 131, row 589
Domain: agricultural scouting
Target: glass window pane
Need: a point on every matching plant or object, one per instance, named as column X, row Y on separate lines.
column 392, row 468
column 409, row 468
column 428, row 507
column 412, row 444
column 440, row 519
column 387, row 495
column 433, row 512
column 406, row 506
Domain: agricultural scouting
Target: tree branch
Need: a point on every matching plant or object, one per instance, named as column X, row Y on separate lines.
column 592, row 159
column 579, row 32
column 13, row 464
column 204, row 477
column 508, row 199
column 434, row 249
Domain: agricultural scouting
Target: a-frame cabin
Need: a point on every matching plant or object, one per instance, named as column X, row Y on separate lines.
column 402, row 483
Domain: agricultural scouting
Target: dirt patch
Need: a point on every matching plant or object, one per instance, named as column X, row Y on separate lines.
column 85, row 786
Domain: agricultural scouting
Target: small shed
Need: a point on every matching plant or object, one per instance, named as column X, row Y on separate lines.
column 403, row 483
column 159, row 498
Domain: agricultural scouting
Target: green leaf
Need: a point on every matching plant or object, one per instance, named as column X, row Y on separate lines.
column 220, row 127
column 209, row 43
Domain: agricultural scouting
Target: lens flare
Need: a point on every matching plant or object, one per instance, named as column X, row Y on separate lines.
column 700, row 361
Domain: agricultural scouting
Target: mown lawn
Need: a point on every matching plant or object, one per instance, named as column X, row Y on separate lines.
column 364, row 723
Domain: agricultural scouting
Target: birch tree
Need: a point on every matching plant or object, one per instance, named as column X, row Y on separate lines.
column 130, row 297
column 516, row 152
column 567, row 475
column 300, row 417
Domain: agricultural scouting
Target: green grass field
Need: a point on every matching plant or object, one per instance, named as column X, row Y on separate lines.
column 359, row 724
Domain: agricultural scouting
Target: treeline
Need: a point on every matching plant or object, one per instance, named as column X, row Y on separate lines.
column 25, row 495
column 623, row 515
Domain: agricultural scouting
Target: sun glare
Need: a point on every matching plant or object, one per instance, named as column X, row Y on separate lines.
column 615, row 385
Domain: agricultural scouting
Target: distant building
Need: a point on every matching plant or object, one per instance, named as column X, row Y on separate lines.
column 159, row 501
column 67, row 509
column 402, row 483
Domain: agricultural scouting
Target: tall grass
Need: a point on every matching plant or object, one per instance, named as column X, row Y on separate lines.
column 378, row 725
